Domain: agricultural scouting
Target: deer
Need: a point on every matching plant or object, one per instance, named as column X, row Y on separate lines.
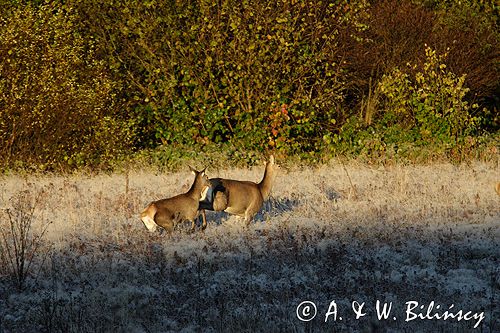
column 236, row 197
column 167, row 213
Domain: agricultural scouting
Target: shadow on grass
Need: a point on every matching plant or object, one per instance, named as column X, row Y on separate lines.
column 133, row 281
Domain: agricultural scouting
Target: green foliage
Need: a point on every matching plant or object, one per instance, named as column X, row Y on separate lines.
column 431, row 103
column 208, row 72
column 487, row 11
column 89, row 83
column 420, row 115
column 54, row 91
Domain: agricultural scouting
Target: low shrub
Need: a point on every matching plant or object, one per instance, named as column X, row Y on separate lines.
column 431, row 102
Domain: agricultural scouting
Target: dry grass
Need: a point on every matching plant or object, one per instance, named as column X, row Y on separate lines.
column 360, row 233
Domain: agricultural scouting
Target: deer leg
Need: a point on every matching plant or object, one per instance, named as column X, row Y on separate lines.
column 204, row 217
column 250, row 214
column 248, row 218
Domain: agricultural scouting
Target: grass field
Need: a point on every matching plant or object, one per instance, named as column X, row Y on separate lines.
column 332, row 233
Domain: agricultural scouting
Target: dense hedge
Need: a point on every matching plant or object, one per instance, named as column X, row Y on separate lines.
column 87, row 82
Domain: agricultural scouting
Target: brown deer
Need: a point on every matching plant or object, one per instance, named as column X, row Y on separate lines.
column 242, row 198
column 166, row 213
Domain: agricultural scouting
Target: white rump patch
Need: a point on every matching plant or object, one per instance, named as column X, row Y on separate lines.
column 206, row 195
column 149, row 223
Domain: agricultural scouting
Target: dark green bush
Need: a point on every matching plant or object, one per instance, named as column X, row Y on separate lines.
column 204, row 72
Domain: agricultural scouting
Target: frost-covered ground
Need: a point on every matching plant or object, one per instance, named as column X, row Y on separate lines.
column 394, row 234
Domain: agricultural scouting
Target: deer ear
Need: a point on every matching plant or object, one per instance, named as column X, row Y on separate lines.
column 192, row 169
column 271, row 159
column 204, row 171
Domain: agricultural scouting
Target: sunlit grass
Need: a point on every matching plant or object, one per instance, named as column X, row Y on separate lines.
column 395, row 233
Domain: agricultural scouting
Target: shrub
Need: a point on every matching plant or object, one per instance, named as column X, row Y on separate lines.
column 469, row 33
column 204, row 72
column 87, row 82
column 431, row 102
column 466, row 30
column 20, row 243
column 54, row 91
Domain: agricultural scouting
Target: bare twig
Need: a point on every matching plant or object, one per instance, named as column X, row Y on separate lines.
column 19, row 244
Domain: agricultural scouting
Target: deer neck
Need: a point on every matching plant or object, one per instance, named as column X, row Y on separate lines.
column 267, row 181
column 196, row 189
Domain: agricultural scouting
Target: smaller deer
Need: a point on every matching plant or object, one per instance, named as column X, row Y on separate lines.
column 167, row 213
column 242, row 198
